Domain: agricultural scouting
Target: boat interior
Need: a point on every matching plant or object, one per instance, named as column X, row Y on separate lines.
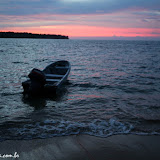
column 55, row 72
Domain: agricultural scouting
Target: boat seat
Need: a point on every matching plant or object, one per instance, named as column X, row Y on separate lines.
column 59, row 67
column 51, row 80
column 53, row 76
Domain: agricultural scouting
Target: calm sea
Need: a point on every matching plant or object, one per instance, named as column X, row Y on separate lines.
column 113, row 88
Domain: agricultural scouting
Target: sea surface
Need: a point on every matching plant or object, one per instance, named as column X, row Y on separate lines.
column 113, row 88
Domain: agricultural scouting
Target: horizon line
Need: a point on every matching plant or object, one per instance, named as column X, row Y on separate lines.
column 155, row 38
column 116, row 38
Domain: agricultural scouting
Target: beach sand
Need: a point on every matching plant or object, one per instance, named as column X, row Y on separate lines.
column 85, row 147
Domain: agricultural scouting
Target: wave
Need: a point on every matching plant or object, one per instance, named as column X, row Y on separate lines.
column 138, row 90
column 17, row 62
column 10, row 94
column 52, row 128
column 91, row 85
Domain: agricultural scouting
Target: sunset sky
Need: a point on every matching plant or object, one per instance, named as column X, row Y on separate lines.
column 83, row 18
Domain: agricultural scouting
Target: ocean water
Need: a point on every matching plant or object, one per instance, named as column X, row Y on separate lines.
column 113, row 88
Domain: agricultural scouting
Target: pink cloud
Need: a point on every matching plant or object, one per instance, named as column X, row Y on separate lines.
column 89, row 31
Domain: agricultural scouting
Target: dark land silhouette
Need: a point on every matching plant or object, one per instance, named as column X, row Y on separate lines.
column 31, row 35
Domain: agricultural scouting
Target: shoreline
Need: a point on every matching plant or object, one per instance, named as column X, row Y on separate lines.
column 78, row 147
column 31, row 35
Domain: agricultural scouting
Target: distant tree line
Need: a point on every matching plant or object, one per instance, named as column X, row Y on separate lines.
column 30, row 35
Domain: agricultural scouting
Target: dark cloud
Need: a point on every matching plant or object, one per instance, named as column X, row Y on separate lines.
column 29, row 7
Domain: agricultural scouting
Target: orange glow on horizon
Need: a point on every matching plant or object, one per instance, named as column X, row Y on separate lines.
column 88, row 31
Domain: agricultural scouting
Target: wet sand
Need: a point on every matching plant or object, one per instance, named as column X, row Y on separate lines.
column 84, row 147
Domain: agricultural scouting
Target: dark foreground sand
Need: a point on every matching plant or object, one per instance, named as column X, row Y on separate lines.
column 83, row 147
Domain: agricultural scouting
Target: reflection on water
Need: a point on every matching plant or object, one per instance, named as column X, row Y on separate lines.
column 37, row 103
column 40, row 101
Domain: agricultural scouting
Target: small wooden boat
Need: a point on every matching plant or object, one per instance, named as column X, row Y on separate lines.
column 49, row 80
